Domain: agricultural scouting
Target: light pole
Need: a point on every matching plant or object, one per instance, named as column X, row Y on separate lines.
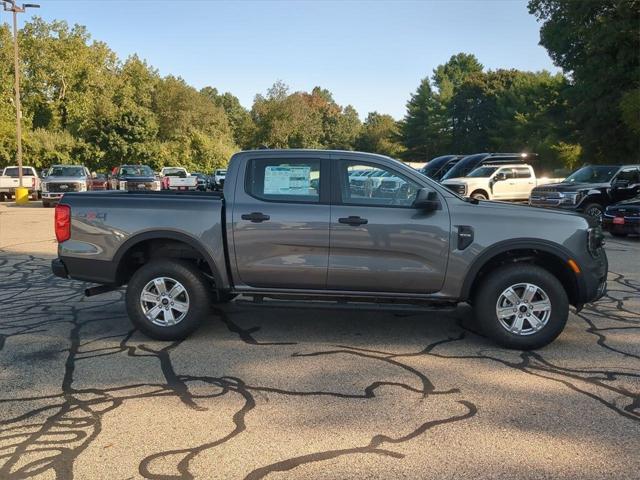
column 11, row 6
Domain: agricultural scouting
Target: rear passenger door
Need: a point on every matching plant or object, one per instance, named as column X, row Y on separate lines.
column 280, row 223
column 524, row 181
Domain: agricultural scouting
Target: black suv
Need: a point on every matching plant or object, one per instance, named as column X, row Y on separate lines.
column 590, row 189
column 437, row 167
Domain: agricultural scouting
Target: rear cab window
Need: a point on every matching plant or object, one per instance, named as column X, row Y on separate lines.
column 13, row 172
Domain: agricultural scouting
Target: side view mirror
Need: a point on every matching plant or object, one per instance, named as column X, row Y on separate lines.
column 427, row 200
column 500, row 176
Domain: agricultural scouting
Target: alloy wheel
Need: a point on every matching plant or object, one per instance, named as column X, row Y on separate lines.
column 164, row 301
column 523, row 309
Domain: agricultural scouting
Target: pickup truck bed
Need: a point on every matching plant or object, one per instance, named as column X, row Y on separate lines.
column 291, row 224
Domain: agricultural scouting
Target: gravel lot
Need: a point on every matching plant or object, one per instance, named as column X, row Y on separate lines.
column 292, row 393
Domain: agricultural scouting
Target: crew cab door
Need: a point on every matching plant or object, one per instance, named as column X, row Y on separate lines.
column 280, row 222
column 379, row 242
column 626, row 184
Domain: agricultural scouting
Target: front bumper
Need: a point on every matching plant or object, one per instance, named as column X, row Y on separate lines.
column 51, row 196
column 592, row 281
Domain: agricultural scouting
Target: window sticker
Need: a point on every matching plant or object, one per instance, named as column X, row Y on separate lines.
column 287, row 180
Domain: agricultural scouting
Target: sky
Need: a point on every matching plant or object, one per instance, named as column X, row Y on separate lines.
column 370, row 54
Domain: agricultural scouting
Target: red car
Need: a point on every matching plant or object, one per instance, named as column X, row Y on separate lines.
column 98, row 181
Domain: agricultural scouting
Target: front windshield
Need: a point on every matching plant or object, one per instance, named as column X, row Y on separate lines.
column 66, row 172
column 483, row 172
column 137, row 171
column 592, row 174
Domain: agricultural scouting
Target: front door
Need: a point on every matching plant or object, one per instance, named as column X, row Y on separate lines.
column 379, row 242
column 626, row 185
column 504, row 184
column 280, row 223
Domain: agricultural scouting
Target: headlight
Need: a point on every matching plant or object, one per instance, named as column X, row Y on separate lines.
column 83, row 187
column 570, row 198
column 44, row 187
column 156, row 185
column 595, row 240
column 123, row 185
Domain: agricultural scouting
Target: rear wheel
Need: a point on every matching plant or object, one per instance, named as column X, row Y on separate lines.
column 45, row 204
column 167, row 299
column 521, row 306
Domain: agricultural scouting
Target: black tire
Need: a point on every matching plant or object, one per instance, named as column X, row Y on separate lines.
column 619, row 234
column 195, row 284
column 45, row 204
column 479, row 196
column 499, row 280
column 590, row 208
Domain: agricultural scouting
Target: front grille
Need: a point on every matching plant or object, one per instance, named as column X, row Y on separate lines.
column 459, row 189
column 357, row 183
column 141, row 186
column 63, row 187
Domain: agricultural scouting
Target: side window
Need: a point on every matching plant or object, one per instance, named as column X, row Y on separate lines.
column 508, row 172
column 283, row 180
column 371, row 185
column 633, row 176
column 523, row 173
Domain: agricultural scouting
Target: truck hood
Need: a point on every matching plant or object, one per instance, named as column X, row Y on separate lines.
column 57, row 179
column 526, row 210
column 570, row 187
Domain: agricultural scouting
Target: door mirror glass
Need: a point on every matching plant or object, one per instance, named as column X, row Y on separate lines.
column 620, row 183
column 427, row 200
column 500, row 176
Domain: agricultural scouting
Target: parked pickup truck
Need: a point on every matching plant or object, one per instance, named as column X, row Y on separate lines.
column 177, row 178
column 61, row 179
column 9, row 181
column 289, row 226
column 133, row 178
column 512, row 182
column 590, row 189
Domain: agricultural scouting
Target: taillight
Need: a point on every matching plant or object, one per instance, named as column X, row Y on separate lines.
column 63, row 222
column 33, row 182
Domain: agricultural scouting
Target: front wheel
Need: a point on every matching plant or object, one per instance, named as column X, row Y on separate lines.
column 594, row 210
column 521, row 306
column 167, row 299
column 479, row 196
column 619, row 234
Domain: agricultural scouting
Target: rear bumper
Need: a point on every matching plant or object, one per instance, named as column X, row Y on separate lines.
column 85, row 269
column 58, row 268
column 630, row 225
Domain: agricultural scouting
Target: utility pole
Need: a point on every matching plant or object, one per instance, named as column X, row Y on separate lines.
column 11, row 6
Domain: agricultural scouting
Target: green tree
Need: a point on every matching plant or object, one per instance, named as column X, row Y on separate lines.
column 423, row 129
column 380, row 134
column 449, row 76
column 596, row 43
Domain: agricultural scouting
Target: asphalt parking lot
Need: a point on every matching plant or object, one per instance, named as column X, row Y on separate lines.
column 293, row 393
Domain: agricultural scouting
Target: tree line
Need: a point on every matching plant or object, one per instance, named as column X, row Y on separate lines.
column 82, row 104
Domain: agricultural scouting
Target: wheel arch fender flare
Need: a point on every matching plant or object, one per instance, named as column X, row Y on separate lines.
column 168, row 235
column 500, row 248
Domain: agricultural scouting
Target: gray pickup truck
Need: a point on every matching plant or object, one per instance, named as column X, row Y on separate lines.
column 293, row 224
